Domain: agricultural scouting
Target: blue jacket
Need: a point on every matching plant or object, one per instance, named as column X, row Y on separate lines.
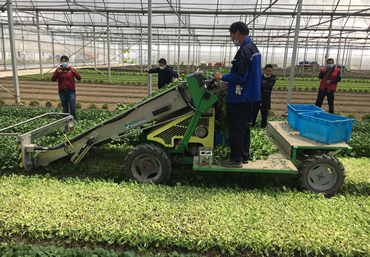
column 246, row 72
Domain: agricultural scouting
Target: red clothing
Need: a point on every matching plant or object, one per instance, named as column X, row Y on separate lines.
column 333, row 76
column 66, row 79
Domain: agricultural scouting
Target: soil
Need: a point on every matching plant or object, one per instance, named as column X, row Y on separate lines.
column 111, row 94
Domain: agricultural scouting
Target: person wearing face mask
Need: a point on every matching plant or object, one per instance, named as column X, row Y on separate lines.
column 244, row 88
column 267, row 82
column 65, row 75
column 165, row 73
column 330, row 76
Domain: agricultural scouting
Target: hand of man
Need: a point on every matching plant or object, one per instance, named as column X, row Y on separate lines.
column 146, row 70
column 217, row 75
column 70, row 68
column 59, row 69
column 176, row 79
column 327, row 82
column 324, row 69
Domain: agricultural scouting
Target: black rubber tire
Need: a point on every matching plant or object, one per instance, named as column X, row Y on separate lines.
column 322, row 174
column 147, row 163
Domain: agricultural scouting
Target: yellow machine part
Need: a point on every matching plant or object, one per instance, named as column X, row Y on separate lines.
column 167, row 133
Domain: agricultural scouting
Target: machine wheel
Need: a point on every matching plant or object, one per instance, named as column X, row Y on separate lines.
column 321, row 174
column 147, row 164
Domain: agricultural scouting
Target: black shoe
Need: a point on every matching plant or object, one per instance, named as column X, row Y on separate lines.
column 245, row 161
column 231, row 164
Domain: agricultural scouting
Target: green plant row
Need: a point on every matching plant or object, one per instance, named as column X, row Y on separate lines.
column 22, row 250
column 13, row 115
column 226, row 219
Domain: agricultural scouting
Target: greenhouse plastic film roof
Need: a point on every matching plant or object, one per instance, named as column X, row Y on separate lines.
column 207, row 23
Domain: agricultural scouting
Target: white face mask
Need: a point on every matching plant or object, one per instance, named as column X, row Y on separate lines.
column 266, row 75
column 161, row 67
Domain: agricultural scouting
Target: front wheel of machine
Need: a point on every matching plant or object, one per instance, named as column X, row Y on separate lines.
column 322, row 174
column 147, row 164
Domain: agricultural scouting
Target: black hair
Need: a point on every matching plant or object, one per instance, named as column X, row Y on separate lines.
column 64, row 57
column 268, row 66
column 162, row 60
column 241, row 26
column 330, row 59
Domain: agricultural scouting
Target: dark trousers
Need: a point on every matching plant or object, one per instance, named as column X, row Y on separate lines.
column 255, row 109
column 238, row 122
column 320, row 98
column 68, row 97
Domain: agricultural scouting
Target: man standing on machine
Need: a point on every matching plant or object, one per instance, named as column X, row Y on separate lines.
column 244, row 88
column 165, row 73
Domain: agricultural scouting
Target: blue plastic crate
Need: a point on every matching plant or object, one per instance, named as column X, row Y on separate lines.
column 325, row 127
column 294, row 109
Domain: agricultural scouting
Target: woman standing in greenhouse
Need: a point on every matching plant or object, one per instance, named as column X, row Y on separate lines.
column 65, row 75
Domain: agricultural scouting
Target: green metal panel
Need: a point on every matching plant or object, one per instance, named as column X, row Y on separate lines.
column 201, row 104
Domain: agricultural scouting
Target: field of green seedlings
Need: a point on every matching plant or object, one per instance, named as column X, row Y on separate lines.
column 91, row 204
column 206, row 213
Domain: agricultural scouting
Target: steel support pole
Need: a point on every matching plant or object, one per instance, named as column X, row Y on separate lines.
column 294, row 55
column 230, row 54
column 343, row 57
column 83, row 50
column 141, row 50
column 178, row 48
column 52, row 47
column 316, row 51
column 39, row 42
column 149, row 46
column 347, row 65
column 189, row 45
column 200, row 53
column 103, row 52
column 328, row 43
column 362, row 55
column 94, row 49
column 304, row 55
column 4, row 53
column 24, row 53
column 174, row 53
column 159, row 50
column 340, row 39
column 267, row 50
column 286, row 55
column 168, row 52
column 193, row 51
column 349, row 56
column 108, row 47
column 12, row 50
column 122, row 55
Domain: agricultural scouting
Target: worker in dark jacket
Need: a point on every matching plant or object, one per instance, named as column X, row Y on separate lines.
column 165, row 73
column 330, row 76
column 244, row 87
column 267, row 82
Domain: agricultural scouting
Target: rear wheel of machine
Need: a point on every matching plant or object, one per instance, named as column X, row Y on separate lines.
column 147, row 164
column 322, row 174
